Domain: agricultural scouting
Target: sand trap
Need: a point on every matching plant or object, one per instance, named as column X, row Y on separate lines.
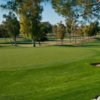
column 96, row 64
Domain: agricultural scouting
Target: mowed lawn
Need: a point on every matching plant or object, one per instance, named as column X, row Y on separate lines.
column 50, row 73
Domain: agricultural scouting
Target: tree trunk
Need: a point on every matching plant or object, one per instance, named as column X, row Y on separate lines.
column 88, row 38
column 39, row 43
column 33, row 43
column 70, row 39
column 14, row 41
column 11, row 42
column 75, row 40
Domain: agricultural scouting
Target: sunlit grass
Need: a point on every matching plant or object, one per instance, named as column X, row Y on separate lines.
column 49, row 73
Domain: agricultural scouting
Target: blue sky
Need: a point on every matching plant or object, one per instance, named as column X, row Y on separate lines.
column 48, row 14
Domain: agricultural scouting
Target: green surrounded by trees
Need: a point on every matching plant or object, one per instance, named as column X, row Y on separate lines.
column 62, row 68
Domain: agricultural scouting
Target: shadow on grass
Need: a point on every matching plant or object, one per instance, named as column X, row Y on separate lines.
column 16, row 42
column 24, row 41
column 89, row 45
column 66, row 45
column 3, row 46
column 94, row 44
column 98, row 39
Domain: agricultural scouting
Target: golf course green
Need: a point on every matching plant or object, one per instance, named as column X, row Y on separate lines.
column 50, row 73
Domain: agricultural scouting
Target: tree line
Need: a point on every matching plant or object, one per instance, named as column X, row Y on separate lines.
column 76, row 12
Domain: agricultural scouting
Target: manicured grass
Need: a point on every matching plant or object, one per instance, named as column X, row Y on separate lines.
column 49, row 73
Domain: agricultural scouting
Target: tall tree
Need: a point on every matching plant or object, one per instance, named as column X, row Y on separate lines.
column 59, row 31
column 30, row 10
column 12, row 25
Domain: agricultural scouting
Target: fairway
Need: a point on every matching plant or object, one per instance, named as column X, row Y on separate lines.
column 50, row 73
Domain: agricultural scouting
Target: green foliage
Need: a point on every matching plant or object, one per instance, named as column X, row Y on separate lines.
column 88, row 30
column 85, row 9
column 12, row 25
column 59, row 31
column 70, row 25
column 46, row 27
column 24, row 26
column 30, row 10
column 92, row 29
column 81, row 31
column 54, row 29
column 3, row 31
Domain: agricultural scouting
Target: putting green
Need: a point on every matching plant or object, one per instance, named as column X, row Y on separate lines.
column 49, row 73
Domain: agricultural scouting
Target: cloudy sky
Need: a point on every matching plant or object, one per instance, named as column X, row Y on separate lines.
column 48, row 14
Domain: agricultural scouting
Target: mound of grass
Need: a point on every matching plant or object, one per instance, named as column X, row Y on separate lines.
column 49, row 73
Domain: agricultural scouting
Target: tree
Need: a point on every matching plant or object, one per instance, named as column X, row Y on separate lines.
column 69, row 27
column 3, row 31
column 67, row 10
column 76, row 10
column 12, row 26
column 54, row 29
column 84, row 8
column 95, row 27
column 59, row 31
column 30, row 10
column 92, row 29
column 24, row 26
column 45, row 28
